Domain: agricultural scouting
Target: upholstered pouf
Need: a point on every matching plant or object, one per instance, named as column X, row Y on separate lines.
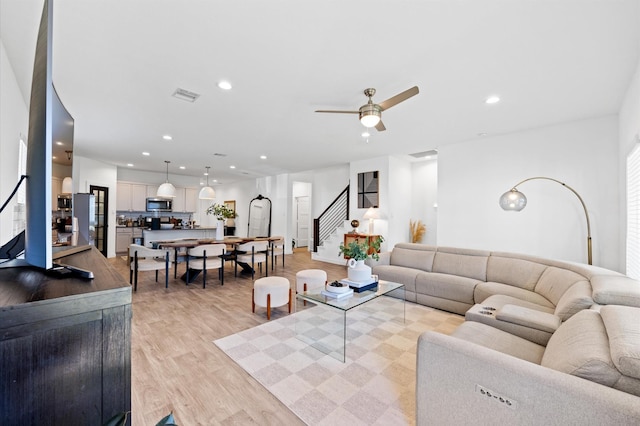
column 271, row 292
column 310, row 279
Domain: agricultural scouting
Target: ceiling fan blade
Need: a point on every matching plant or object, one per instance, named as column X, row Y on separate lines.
column 400, row 97
column 380, row 127
column 338, row 112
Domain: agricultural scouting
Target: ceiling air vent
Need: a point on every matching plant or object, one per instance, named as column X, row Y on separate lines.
column 185, row 95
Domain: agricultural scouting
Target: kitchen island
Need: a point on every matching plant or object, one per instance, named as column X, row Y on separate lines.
column 151, row 238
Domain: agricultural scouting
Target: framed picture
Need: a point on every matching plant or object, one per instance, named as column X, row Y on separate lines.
column 368, row 190
column 231, row 205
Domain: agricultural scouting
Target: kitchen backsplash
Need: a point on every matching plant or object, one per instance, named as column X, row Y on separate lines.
column 134, row 216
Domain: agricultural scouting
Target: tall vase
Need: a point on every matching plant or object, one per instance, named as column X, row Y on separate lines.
column 358, row 271
column 220, row 230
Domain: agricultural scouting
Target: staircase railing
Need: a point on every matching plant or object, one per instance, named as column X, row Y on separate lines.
column 331, row 218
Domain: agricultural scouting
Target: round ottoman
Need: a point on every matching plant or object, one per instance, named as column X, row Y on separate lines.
column 271, row 292
column 310, row 279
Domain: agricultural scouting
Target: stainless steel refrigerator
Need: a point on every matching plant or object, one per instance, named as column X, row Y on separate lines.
column 84, row 210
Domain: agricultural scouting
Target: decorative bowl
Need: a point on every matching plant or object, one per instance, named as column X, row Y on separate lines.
column 166, row 226
column 337, row 287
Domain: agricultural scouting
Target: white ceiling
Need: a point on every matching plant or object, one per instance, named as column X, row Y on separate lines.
column 116, row 64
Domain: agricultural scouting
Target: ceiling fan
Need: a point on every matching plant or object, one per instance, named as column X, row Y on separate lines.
column 370, row 114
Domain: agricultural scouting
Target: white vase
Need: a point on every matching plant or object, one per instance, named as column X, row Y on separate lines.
column 220, row 230
column 358, row 271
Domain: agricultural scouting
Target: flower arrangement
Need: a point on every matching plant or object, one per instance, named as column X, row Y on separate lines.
column 221, row 212
column 360, row 251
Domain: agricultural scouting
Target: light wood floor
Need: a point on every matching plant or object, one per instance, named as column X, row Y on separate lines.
column 175, row 365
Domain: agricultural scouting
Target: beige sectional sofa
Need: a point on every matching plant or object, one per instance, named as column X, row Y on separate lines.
column 545, row 342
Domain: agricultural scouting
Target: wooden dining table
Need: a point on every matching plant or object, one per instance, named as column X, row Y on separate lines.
column 231, row 242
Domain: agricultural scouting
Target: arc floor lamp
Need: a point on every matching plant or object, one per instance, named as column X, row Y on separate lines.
column 514, row 200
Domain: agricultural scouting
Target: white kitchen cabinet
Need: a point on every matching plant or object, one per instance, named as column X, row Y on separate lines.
column 56, row 188
column 178, row 201
column 124, row 236
column 191, row 200
column 131, row 197
column 152, row 191
column 138, row 197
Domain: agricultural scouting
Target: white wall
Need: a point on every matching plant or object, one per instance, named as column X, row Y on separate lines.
column 424, row 197
column 87, row 172
column 583, row 154
column 629, row 129
column 14, row 121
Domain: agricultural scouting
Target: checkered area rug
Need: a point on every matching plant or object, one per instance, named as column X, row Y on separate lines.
column 376, row 384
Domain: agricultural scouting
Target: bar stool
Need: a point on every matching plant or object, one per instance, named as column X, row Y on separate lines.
column 271, row 292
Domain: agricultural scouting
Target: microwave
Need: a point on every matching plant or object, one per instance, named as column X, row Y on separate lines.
column 64, row 202
column 159, row 205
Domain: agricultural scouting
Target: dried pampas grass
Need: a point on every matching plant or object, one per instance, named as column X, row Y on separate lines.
column 417, row 230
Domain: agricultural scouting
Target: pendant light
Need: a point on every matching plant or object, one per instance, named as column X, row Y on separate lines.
column 207, row 193
column 167, row 190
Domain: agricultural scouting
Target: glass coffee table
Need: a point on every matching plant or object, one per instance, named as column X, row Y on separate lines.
column 326, row 329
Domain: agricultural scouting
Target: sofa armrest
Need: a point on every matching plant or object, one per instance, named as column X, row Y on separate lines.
column 528, row 318
column 452, row 372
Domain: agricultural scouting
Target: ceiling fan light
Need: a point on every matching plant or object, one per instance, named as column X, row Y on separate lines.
column 370, row 118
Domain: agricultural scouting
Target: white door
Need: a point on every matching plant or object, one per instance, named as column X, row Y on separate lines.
column 302, row 220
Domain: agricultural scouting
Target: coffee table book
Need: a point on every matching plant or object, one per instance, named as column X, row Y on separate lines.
column 337, row 295
column 359, row 287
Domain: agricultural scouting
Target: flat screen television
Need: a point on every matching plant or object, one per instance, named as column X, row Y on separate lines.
column 49, row 123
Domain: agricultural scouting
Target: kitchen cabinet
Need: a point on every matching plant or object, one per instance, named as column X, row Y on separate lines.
column 178, row 201
column 56, row 188
column 152, row 191
column 191, row 200
column 131, row 197
column 125, row 236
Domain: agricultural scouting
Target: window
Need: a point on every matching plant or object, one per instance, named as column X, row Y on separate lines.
column 367, row 190
column 633, row 213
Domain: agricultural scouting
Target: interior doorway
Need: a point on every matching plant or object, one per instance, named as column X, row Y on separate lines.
column 102, row 217
column 302, row 221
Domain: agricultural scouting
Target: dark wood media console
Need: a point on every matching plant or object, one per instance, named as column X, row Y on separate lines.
column 65, row 344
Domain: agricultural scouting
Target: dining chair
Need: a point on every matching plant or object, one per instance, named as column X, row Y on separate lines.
column 253, row 252
column 277, row 249
column 204, row 257
column 148, row 259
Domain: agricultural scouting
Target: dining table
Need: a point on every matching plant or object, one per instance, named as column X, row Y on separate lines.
column 231, row 242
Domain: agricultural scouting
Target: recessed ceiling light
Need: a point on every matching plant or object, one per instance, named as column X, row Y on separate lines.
column 232, row 167
column 145, row 153
column 129, row 165
column 493, row 99
column 263, row 157
column 224, row 85
column 59, row 143
column 365, row 134
column 182, row 167
column 215, row 180
column 482, row 134
column 167, row 137
column 54, row 157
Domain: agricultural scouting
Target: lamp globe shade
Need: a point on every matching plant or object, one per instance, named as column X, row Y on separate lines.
column 166, row 190
column 207, row 193
column 513, row 200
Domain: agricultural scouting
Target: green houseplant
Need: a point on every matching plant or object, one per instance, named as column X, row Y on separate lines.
column 221, row 212
column 360, row 251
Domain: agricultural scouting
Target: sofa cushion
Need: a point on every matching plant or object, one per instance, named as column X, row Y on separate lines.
column 416, row 256
column 501, row 341
column 515, row 272
column 623, row 328
column 574, row 300
column 615, row 290
column 580, row 347
column 446, row 286
column 398, row 274
column 497, row 301
column 485, row 290
column 463, row 265
column 555, row 281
